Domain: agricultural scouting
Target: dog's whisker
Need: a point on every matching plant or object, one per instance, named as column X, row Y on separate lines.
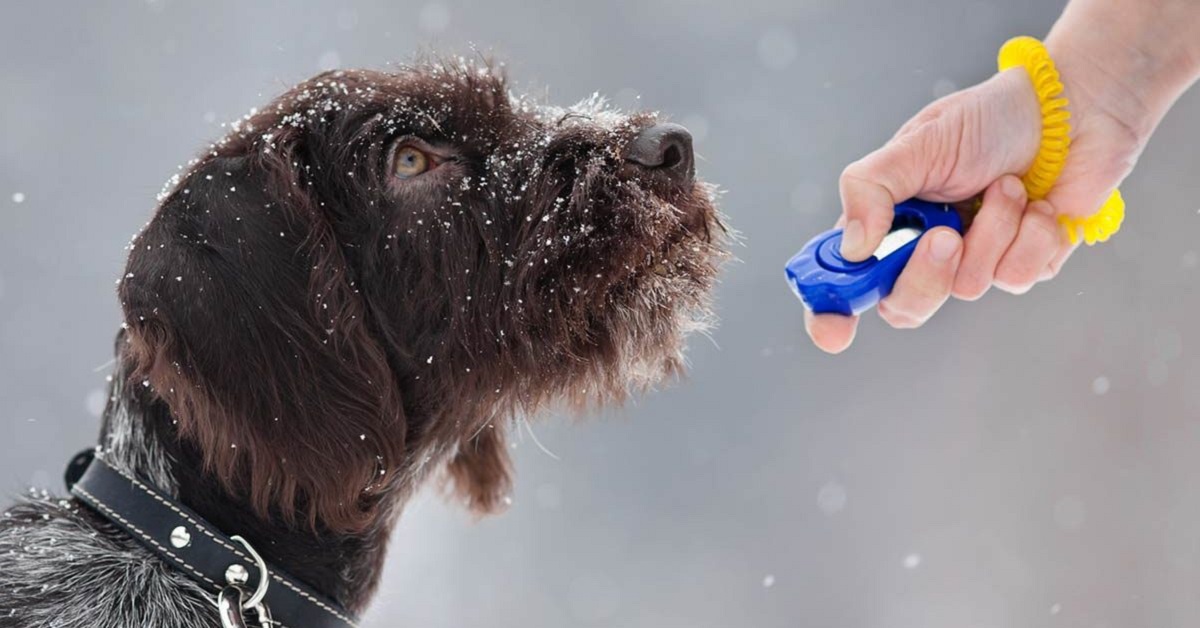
column 106, row 366
column 533, row 436
column 376, row 279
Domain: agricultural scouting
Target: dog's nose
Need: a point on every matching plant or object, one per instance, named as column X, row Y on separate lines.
column 665, row 148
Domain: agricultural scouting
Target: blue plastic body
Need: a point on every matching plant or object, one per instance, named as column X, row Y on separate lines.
column 828, row 284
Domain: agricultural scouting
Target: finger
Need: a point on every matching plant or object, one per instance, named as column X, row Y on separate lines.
column 926, row 281
column 832, row 333
column 1037, row 244
column 872, row 186
column 991, row 233
column 1055, row 266
column 1080, row 197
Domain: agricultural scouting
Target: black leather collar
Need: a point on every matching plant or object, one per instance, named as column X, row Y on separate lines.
column 193, row 545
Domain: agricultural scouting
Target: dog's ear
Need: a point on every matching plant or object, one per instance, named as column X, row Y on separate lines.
column 243, row 316
column 481, row 471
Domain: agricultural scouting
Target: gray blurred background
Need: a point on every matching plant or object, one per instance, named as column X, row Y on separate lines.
column 1024, row 461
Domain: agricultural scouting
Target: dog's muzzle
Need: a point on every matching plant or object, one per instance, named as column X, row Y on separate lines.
column 665, row 150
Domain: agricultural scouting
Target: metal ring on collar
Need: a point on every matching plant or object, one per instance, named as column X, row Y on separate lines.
column 264, row 577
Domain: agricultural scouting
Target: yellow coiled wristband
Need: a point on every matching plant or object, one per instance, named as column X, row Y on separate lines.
column 1031, row 54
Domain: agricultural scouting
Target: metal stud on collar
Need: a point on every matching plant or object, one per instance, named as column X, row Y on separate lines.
column 180, row 537
column 237, row 574
column 229, row 600
column 264, row 576
column 148, row 516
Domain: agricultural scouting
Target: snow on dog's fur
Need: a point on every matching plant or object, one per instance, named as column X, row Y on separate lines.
column 361, row 286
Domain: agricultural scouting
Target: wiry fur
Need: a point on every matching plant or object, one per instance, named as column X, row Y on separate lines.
column 307, row 338
column 82, row 572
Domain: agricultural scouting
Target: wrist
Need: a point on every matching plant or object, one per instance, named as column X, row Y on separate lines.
column 1128, row 61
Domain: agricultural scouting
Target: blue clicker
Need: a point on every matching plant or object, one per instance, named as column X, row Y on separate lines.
column 829, row 284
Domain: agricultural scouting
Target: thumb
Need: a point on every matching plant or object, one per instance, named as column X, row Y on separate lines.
column 872, row 186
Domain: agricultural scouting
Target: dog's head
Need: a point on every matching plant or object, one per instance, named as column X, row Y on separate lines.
column 375, row 272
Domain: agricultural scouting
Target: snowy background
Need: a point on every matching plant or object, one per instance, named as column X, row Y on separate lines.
column 1027, row 461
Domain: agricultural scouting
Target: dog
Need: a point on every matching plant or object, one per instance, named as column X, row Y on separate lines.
column 357, row 290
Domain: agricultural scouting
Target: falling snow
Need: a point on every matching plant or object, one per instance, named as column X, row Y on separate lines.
column 627, row 99
column 831, row 499
column 1168, row 343
column 595, row 598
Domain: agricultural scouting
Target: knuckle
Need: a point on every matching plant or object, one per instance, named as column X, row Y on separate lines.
column 1041, row 225
column 1003, row 218
column 1046, row 229
column 855, row 174
column 918, row 294
column 973, row 279
column 931, row 112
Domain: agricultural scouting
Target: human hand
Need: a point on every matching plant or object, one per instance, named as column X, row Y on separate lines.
column 969, row 142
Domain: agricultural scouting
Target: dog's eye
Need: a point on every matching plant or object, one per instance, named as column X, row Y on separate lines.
column 410, row 162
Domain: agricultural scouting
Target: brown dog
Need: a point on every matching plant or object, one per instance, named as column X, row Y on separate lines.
column 361, row 285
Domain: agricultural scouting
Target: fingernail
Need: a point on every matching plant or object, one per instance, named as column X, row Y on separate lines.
column 1011, row 187
column 944, row 246
column 852, row 237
